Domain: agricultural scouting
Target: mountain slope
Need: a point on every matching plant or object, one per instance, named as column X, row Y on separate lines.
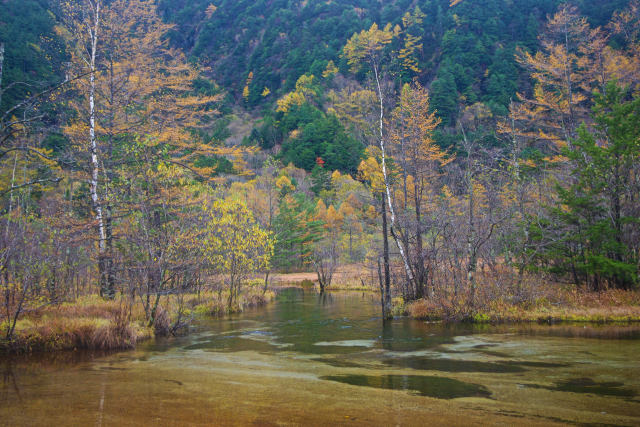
column 467, row 55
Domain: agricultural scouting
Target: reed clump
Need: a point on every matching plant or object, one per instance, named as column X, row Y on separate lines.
column 93, row 323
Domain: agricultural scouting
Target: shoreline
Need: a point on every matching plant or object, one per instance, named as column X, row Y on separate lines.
column 91, row 323
column 560, row 306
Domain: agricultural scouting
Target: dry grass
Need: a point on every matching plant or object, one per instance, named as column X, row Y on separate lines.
column 214, row 304
column 349, row 277
column 93, row 323
column 530, row 302
column 48, row 334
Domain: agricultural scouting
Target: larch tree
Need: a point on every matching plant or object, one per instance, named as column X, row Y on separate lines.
column 421, row 160
column 575, row 64
column 574, row 61
column 368, row 47
column 137, row 91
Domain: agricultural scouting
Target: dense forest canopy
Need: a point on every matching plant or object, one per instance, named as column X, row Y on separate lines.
column 467, row 51
column 34, row 55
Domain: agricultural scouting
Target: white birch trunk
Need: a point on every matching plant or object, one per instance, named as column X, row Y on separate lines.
column 386, row 180
column 95, row 164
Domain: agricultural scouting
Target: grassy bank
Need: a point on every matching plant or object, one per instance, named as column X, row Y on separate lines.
column 91, row 322
column 552, row 306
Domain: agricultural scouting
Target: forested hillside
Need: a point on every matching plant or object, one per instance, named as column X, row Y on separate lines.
column 468, row 159
column 34, row 55
column 466, row 55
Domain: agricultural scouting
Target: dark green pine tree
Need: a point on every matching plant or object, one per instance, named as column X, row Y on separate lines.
column 600, row 210
column 295, row 229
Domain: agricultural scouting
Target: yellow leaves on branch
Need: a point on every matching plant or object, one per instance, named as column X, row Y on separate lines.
column 284, row 183
column 330, row 70
column 371, row 171
column 289, row 100
column 575, row 61
column 143, row 87
column 412, row 44
column 353, row 106
column 406, row 55
column 245, row 91
column 414, row 125
column 415, row 18
column 303, row 92
column 321, row 210
column 211, row 9
column 366, row 45
column 234, row 243
column 333, row 219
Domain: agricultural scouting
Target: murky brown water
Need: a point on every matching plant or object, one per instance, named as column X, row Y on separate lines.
column 329, row 360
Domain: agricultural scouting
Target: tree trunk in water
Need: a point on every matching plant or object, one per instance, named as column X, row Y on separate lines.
column 385, row 176
column 266, row 283
column 386, row 305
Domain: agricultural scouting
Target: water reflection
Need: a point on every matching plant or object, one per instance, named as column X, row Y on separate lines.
column 283, row 363
column 9, row 382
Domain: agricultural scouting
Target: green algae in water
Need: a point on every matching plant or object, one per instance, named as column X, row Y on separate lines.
column 589, row 386
column 455, row 365
column 233, row 344
column 452, row 365
column 438, row 387
column 340, row 363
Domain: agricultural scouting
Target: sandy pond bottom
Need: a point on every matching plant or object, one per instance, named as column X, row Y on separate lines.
column 329, row 360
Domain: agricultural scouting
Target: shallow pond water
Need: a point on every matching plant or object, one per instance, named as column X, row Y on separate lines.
column 311, row 359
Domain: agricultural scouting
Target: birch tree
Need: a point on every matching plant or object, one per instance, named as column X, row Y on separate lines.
column 136, row 89
column 367, row 47
column 84, row 24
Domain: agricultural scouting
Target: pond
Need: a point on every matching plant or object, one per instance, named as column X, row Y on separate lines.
column 311, row 359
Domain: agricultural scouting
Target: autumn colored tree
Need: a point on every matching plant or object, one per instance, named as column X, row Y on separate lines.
column 368, row 47
column 84, row 26
column 574, row 60
column 235, row 244
column 134, row 85
column 408, row 37
column 420, row 161
column 371, row 172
